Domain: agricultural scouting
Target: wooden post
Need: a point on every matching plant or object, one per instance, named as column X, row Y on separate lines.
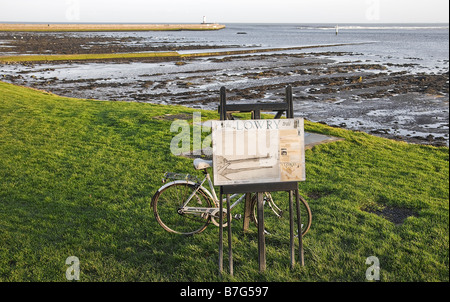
column 230, row 252
column 289, row 101
column 220, row 233
column 256, row 114
column 261, row 237
column 247, row 211
column 291, row 229
column 223, row 104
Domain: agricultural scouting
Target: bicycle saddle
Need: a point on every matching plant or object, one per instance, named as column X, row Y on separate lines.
column 200, row 164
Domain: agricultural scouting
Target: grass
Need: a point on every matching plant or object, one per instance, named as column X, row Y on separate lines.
column 77, row 177
column 77, row 57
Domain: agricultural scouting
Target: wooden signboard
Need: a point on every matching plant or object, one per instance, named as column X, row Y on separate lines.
column 258, row 151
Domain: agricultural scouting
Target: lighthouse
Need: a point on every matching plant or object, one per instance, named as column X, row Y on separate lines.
column 204, row 20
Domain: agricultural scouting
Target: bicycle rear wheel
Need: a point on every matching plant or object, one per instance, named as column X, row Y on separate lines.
column 167, row 202
column 276, row 214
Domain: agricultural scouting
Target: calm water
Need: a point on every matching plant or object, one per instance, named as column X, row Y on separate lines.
column 426, row 45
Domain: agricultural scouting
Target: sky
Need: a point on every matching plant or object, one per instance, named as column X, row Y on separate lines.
column 226, row 11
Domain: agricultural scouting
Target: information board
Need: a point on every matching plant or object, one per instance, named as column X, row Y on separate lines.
column 258, row 151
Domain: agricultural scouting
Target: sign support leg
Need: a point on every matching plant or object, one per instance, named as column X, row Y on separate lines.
column 261, row 238
column 220, row 233
column 230, row 252
column 300, row 233
column 291, row 228
column 247, row 211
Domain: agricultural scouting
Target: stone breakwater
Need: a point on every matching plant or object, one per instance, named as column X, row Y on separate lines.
column 107, row 27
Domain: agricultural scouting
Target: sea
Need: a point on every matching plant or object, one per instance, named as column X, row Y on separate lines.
column 424, row 44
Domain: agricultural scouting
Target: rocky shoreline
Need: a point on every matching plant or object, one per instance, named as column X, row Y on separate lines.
column 336, row 88
column 66, row 43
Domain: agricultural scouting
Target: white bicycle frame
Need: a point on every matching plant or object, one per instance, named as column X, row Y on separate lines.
column 213, row 212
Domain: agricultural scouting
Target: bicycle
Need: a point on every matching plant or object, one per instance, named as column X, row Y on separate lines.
column 184, row 206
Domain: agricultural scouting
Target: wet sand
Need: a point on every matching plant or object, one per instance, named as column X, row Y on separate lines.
column 336, row 88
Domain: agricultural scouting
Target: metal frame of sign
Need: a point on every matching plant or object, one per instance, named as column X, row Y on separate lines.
column 226, row 111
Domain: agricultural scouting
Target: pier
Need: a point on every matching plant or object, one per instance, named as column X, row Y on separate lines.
column 53, row 27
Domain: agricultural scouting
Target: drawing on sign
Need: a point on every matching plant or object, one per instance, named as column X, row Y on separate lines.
column 240, row 165
column 258, row 151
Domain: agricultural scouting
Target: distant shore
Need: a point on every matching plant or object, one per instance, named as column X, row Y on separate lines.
column 33, row 27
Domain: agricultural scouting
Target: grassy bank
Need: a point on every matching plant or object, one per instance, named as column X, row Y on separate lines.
column 82, row 57
column 52, row 27
column 77, row 176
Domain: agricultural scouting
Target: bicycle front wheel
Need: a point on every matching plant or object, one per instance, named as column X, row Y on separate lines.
column 276, row 214
column 166, row 208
